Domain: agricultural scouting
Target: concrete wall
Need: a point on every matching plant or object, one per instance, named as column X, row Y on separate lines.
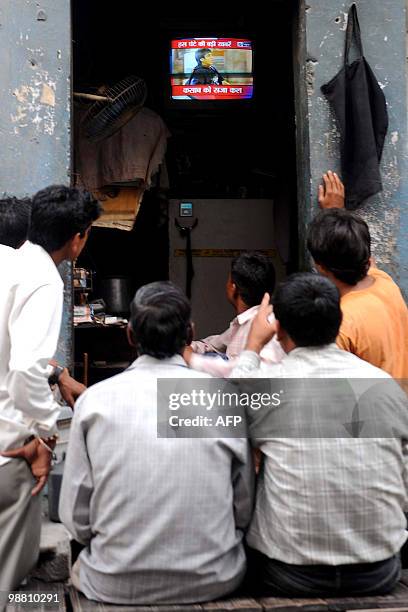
column 318, row 57
column 35, row 51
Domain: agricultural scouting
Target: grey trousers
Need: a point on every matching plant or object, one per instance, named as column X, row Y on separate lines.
column 20, row 523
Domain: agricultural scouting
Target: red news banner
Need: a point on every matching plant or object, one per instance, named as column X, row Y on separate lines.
column 215, row 91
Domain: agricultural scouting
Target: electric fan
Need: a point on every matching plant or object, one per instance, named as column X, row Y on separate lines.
column 113, row 109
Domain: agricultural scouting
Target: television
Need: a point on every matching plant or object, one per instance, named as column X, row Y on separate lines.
column 211, row 69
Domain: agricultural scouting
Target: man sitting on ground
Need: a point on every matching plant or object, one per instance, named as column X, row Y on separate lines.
column 375, row 315
column 252, row 274
column 162, row 519
column 329, row 516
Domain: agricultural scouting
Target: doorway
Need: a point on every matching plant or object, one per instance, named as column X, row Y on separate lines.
column 234, row 164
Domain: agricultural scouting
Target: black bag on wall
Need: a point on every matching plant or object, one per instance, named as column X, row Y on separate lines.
column 361, row 110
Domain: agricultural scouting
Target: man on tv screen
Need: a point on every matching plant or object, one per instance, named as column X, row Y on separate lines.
column 205, row 73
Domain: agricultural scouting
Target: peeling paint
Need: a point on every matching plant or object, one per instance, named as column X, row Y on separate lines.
column 394, row 137
column 20, row 114
column 22, row 93
column 345, row 20
column 310, row 75
column 36, row 103
column 47, row 95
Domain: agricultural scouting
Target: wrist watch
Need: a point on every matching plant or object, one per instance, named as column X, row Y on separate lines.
column 55, row 375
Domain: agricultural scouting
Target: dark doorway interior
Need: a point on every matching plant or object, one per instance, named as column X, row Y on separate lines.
column 242, row 151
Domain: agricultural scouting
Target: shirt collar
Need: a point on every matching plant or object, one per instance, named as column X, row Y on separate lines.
column 247, row 315
column 313, row 350
column 148, row 360
column 36, row 250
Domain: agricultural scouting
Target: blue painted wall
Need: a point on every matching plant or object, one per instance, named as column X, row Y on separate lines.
column 318, row 57
column 35, row 67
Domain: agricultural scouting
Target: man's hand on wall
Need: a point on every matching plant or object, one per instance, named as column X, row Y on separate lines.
column 331, row 193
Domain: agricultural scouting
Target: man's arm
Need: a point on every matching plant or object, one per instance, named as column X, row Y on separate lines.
column 34, row 325
column 216, row 344
column 38, row 456
column 262, row 331
column 77, row 483
column 69, row 388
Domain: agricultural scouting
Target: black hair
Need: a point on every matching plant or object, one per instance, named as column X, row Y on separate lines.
column 254, row 275
column 14, row 221
column 58, row 213
column 200, row 53
column 340, row 241
column 160, row 320
column 307, row 307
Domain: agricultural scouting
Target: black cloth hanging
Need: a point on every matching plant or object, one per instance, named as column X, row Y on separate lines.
column 361, row 111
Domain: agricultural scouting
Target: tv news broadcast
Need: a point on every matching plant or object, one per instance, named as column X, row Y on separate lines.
column 211, row 69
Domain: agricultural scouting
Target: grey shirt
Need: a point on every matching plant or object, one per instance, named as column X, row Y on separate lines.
column 332, row 500
column 162, row 519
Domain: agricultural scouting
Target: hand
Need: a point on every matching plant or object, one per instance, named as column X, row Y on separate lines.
column 39, row 460
column 187, row 354
column 262, row 330
column 70, row 388
column 331, row 195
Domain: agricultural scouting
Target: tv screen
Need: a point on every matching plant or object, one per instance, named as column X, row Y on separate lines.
column 211, row 69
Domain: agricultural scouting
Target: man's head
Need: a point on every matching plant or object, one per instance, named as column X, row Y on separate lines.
column 307, row 309
column 160, row 322
column 340, row 244
column 204, row 57
column 14, row 221
column 252, row 275
column 61, row 218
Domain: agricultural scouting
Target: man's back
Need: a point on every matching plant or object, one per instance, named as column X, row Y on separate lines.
column 331, row 500
column 8, row 284
column 375, row 325
column 161, row 511
column 31, row 309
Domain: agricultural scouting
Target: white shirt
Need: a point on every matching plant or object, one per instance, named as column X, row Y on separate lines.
column 162, row 519
column 330, row 500
column 231, row 342
column 31, row 297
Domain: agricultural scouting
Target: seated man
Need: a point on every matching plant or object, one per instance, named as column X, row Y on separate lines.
column 252, row 274
column 329, row 517
column 375, row 315
column 162, row 520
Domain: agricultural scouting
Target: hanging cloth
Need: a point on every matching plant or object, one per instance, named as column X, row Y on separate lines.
column 361, row 111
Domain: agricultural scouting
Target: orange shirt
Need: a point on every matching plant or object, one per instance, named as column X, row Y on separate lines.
column 375, row 325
